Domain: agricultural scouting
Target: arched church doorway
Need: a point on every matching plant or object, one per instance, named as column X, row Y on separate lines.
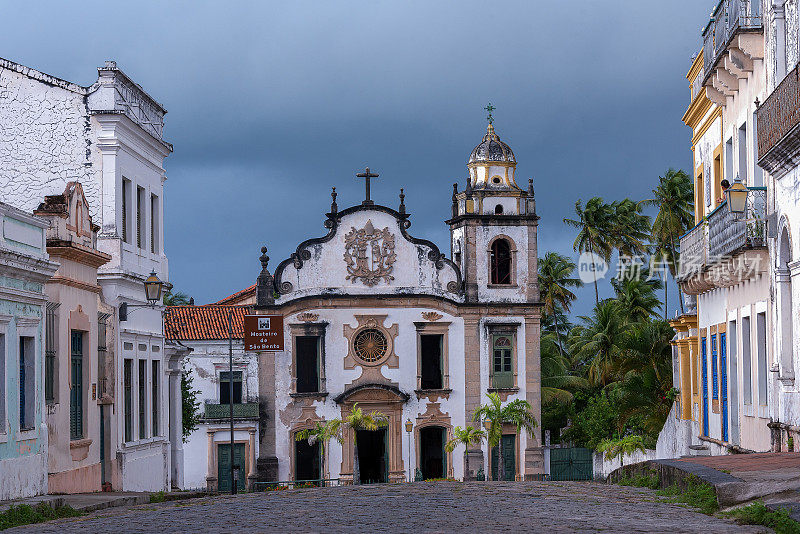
column 432, row 455
column 307, row 461
column 373, row 460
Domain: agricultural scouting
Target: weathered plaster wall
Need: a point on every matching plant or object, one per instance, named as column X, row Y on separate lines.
column 405, row 376
column 44, row 141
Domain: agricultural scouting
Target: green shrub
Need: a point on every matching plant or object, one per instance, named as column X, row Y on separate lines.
column 25, row 514
column 758, row 514
column 697, row 494
column 157, row 497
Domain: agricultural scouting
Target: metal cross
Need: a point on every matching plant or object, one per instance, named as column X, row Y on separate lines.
column 490, row 108
column 367, row 174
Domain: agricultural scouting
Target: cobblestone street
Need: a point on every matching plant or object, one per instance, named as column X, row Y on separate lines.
column 421, row 507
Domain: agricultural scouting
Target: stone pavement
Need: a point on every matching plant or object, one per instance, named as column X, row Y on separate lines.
column 419, row 507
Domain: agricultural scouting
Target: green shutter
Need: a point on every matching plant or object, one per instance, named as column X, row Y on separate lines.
column 76, row 387
column 502, row 361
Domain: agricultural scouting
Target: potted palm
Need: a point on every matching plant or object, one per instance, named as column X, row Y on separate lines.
column 465, row 436
column 495, row 415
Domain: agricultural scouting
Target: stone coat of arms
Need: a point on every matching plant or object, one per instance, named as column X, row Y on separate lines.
column 369, row 254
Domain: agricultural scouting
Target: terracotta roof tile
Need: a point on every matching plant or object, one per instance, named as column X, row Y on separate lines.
column 185, row 323
column 239, row 295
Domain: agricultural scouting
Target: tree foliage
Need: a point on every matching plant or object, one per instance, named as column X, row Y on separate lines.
column 190, row 404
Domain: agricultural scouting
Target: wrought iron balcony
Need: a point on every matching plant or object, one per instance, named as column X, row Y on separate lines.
column 778, row 119
column 246, row 410
column 723, row 249
column 694, row 251
column 728, row 18
column 728, row 234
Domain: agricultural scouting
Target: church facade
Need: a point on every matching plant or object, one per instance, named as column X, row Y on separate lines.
column 376, row 317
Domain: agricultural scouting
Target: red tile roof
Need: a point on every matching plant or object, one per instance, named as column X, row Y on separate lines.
column 185, row 323
column 239, row 296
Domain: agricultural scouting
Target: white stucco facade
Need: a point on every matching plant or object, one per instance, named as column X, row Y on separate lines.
column 107, row 137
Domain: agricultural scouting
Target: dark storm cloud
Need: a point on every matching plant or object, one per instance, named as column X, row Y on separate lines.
column 271, row 103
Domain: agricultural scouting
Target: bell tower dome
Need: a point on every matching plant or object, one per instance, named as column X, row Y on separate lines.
column 494, row 227
column 492, row 164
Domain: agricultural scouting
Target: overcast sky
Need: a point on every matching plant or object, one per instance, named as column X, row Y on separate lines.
column 272, row 103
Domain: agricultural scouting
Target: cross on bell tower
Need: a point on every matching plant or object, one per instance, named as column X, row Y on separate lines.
column 367, row 174
column 490, row 108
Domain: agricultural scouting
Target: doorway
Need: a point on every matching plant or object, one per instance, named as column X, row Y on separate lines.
column 307, row 461
column 372, row 456
column 509, row 457
column 224, row 466
column 431, row 452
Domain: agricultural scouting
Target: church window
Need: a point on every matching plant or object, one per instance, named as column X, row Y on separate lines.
column 307, row 361
column 500, row 259
column 502, row 361
column 498, row 210
column 370, row 345
column 431, row 361
column 225, row 388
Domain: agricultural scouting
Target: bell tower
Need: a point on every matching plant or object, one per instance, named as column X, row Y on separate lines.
column 494, row 227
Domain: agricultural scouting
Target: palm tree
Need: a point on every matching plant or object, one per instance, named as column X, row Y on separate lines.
column 674, row 198
column 358, row 420
column 555, row 279
column 517, row 412
column 618, row 448
column 176, row 298
column 321, row 433
column 647, row 366
column 636, row 296
column 598, row 342
column 594, row 231
column 467, row 436
column 630, row 229
column 557, row 378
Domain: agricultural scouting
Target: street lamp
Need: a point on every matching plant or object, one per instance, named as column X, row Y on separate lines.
column 153, row 288
column 736, row 195
column 487, row 424
column 409, row 428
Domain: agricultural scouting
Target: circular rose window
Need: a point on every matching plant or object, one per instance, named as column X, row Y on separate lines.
column 370, row 345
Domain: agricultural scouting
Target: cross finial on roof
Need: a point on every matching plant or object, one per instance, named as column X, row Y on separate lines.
column 490, row 108
column 367, row 174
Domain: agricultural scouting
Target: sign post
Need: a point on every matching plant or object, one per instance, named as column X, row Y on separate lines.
column 263, row 333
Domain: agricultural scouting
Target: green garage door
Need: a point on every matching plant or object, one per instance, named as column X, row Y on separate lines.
column 571, row 464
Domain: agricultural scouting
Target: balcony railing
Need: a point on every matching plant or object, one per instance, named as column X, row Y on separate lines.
column 778, row 119
column 728, row 234
column 694, row 251
column 247, row 410
column 729, row 17
column 722, row 235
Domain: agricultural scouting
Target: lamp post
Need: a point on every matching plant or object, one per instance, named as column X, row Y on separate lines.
column 736, row 195
column 153, row 289
column 409, row 428
column 487, row 424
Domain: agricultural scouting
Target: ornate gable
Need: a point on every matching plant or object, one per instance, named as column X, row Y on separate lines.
column 367, row 251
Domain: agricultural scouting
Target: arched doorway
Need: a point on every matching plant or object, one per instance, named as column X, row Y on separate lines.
column 783, row 280
column 380, row 452
column 307, row 460
column 432, row 456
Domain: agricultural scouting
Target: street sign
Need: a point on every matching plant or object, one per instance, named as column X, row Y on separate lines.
column 263, row 333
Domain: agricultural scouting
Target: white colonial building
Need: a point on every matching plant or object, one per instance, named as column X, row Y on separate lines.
column 377, row 317
column 108, row 138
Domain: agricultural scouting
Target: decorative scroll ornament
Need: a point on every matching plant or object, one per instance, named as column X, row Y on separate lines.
column 369, row 255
